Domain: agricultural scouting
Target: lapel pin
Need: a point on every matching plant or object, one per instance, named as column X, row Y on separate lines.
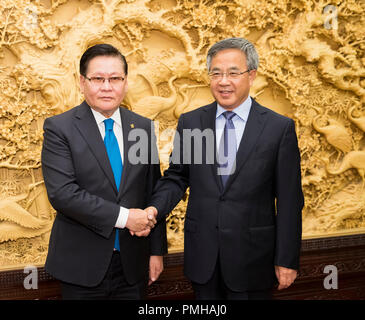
column 132, row 125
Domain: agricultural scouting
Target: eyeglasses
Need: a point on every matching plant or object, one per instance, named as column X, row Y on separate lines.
column 98, row 81
column 217, row 75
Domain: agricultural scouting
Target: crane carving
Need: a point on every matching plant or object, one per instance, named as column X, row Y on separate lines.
column 352, row 160
column 17, row 222
column 335, row 133
column 152, row 106
column 179, row 109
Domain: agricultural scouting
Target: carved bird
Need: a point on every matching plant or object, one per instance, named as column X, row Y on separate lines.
column 16, row 222
column 10, row 231
column 183, row 91
column 10, row 210
column 359, row 121
column 335, row 133
column 152, row 106
column 352, row 160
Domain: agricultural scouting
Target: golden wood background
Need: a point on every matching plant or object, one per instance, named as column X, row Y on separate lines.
column 311, row 69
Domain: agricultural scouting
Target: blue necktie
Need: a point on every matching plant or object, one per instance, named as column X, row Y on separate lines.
column 112, row 149
column 227, row 149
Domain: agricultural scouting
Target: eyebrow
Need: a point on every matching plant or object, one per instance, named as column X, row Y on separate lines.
column 229, row 69
column 113, row 74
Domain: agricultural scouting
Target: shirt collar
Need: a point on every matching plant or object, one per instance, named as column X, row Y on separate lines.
column 100, row 118
column 242, row 110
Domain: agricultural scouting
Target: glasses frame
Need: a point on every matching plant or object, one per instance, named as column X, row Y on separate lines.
column 104, row 79
column 221, row 75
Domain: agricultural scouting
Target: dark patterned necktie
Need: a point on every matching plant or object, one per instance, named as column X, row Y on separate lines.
column 227, row 149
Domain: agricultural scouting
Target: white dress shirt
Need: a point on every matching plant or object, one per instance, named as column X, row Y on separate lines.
column 117, row 128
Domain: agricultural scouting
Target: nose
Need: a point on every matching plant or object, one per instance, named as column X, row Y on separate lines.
column 106, row 85
column 224, row 80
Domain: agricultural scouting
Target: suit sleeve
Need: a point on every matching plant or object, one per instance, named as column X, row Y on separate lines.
column 64, row 193
column 170, row 189
column 289, row 199
column 158, row 244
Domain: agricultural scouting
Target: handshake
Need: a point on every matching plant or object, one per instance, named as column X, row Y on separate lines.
column 140, row 222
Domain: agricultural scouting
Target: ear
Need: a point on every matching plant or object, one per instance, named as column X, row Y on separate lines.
column 126, row 84
column 82, row 84
column 252, row 75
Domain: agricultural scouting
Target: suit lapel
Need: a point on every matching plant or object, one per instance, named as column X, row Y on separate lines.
column 208, row 122
column 254, row 126
column 86, row 124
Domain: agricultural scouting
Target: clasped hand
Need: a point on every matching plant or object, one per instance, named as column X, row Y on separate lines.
column 140, row 222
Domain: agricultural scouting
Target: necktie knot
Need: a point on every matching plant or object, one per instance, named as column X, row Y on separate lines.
column 108, row 124
column 228, row 115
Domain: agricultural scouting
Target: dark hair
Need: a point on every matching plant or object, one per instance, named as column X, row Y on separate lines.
column 100, row 50
column 235, row 43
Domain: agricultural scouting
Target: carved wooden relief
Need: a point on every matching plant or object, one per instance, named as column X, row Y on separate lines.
column 311, row 69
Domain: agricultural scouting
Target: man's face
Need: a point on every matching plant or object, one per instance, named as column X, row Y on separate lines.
column 230, row 93
column 105, row 97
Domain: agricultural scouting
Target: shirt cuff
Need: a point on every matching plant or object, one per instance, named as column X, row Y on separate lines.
column 122, row 218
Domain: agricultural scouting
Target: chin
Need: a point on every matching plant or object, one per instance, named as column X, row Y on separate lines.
column 108, row 106
column 226, row 105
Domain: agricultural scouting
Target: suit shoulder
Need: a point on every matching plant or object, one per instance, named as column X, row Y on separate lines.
column 64, row 115
column 197, row 111
column 273, row 114
column 136, row 116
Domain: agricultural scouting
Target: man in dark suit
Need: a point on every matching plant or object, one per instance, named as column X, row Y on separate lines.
column 94, row 181
column 243, row 219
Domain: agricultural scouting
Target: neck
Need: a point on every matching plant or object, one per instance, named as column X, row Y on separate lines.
column 231, row 108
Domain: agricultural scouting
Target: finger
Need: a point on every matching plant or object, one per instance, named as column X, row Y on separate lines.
column 153, row 275
column 143, row 233
column 150, row 224
column 151, row 210
column 131, row 232
column 284, row 283
column 158, row 273
column 153, row 219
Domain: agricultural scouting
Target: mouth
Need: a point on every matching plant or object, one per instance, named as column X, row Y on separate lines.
column 225, row 93
column 106, row 98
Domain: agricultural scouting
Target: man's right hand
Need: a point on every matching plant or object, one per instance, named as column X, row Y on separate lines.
column 139, row 220
column 151, row 215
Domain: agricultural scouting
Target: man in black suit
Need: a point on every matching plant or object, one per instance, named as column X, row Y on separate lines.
column 243, row 219
column 94, row 181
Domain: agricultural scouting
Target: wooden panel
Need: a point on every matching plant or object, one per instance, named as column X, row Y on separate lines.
column 346, row 253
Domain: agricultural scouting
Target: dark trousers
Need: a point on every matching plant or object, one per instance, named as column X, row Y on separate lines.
column 216, row 289
column 113, row 287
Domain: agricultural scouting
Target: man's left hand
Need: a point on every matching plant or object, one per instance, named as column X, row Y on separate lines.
column 285, row 276
column 156, row 267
